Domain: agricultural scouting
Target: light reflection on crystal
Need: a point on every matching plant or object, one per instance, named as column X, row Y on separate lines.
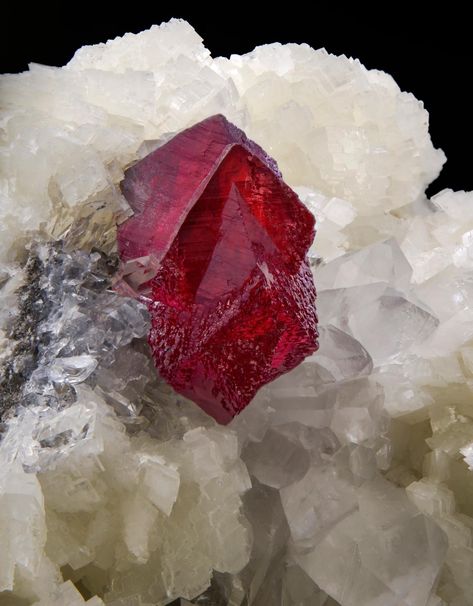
column 222, row 241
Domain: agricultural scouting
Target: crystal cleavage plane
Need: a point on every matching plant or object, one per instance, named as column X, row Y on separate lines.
column 217, row 250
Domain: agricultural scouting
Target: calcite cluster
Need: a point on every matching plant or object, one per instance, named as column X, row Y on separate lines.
column 347, row 481
column 119, row 504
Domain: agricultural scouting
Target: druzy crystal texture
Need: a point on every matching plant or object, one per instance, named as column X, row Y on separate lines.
column 232, row 301
column 348, row 480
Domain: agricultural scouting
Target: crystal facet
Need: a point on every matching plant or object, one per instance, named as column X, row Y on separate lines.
column 229, row 289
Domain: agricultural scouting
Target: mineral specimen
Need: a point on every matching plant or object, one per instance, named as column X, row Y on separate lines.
column 348, row 481
column 232, row 301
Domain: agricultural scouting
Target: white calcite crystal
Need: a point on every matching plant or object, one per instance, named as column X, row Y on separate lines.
column 348, row 481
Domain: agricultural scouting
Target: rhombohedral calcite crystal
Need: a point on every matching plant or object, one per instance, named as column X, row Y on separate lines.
column 232, row 301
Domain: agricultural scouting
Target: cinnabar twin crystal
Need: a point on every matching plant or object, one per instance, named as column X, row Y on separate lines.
column 230, row 293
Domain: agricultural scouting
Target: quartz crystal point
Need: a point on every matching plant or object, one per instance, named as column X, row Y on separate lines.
column 217, row 249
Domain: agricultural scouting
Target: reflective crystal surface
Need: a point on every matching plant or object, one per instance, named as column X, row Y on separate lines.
column 232, row 301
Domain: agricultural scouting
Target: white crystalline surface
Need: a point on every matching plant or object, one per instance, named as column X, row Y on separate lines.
column 348, row 481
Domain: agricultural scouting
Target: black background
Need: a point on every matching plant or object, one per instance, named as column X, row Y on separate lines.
column 433, row 64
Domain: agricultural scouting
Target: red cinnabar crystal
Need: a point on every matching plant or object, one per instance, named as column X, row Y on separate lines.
column 217, row 250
